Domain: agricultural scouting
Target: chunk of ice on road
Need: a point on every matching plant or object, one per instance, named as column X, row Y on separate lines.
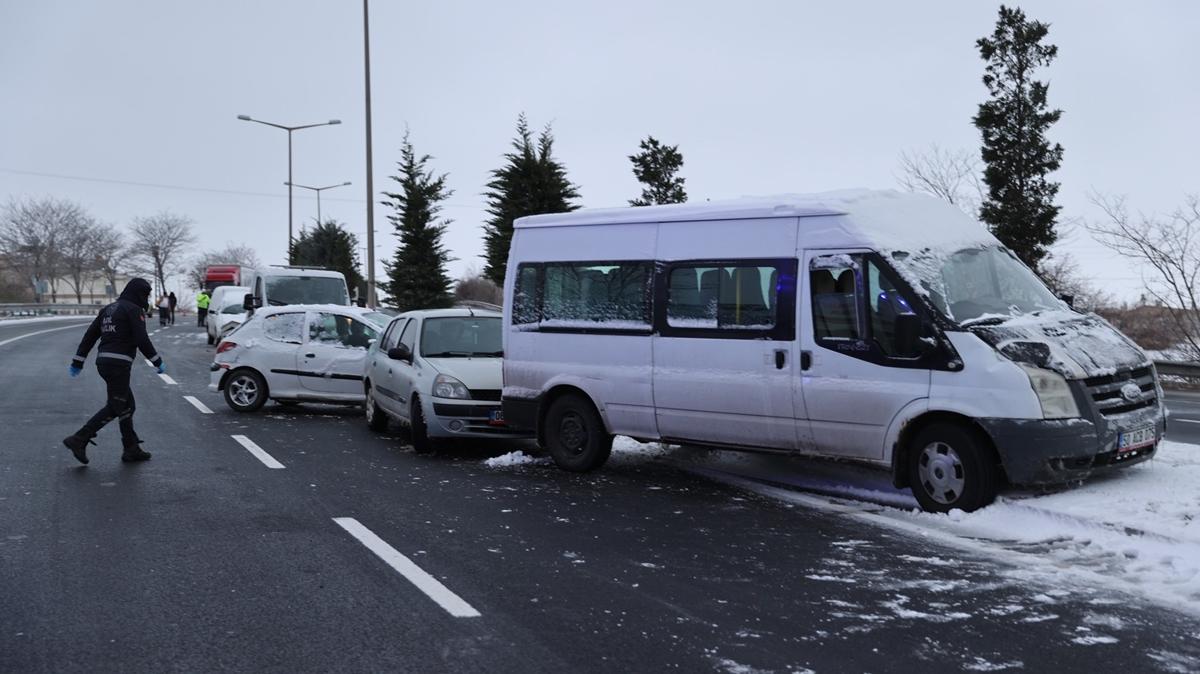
column 517, row 458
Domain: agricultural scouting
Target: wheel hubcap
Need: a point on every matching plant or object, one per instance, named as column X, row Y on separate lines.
column 243, row 391
column 370, row 409
column 941, row 472
column 572, row 433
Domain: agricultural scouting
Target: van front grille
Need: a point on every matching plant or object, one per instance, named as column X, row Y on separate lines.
column 1106, row 391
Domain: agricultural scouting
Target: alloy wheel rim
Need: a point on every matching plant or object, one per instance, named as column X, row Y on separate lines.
column 941, row 472
column 243, row 391
column 370, row 409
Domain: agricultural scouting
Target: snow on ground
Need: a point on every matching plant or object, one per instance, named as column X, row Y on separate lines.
column 515, row 459
column 42, row 319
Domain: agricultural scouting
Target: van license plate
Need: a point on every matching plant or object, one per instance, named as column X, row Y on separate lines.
column 496, row 418
column 1130, row 440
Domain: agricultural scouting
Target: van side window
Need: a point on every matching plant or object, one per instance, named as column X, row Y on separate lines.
column 603, row 295
column 722, row 297
column 525, row 296
column 834, row 282
column 884, row 303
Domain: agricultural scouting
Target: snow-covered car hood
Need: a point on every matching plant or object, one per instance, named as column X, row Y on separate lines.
column 474, row 373
column 1074, row 345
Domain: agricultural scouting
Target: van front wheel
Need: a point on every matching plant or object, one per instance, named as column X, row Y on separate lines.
column 950, row 467
column 575, row 434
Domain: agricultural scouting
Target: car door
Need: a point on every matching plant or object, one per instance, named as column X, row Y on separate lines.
column 276, row 356
column 382, row 368
column 331, row 361
column 402, row 374
column 854, row 382
column 724, row 364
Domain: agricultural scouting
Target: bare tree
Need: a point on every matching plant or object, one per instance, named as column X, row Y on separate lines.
column 1060, row 272
column 108, row 246
column 952, row 175
column 1170, row 248
column 30, row 234
column 76, row 247
column 159, row 242
column 477, row 287
column 232, row 253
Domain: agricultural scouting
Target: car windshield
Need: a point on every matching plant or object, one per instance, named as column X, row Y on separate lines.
column 379, row 320
column 461, row 337
column 233, row 309
column 283, row 290
column 976, row 286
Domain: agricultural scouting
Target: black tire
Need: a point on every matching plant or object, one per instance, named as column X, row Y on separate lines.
column 950, row 467
column 211, row 340
column 421, row 443
column 246, row 391
column 376, row 418
column 575, row 434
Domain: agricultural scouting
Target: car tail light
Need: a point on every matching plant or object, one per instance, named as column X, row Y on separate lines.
column 226, row 346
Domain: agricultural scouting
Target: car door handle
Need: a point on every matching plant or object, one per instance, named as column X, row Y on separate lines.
column 780, row 359
column 805, row 360
column 310, row 355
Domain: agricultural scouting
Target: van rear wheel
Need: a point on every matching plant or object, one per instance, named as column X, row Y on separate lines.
column 950, row 468
column 575, row 434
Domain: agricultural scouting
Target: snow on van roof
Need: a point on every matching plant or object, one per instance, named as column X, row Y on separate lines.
column 885, row 218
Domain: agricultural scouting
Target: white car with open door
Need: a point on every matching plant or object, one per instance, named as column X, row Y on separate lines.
column 439, row 372
column 296, row 353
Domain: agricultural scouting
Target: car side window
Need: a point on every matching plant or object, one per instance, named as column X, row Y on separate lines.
column 409, row 336
column 884, row 303
column 392, row 336
column 834, row 282
column 287, row 328
column 340, row 331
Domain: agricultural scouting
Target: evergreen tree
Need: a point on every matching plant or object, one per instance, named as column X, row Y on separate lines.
column 531, row 182
column 417, row 276
column 329, row 245
column 655, row 167
column 1020, row 207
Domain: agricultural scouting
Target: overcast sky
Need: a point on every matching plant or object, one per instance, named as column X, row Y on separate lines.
column 761, row 97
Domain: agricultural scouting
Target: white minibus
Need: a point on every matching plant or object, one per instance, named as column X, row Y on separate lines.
column 873, row 326
column 280, row 285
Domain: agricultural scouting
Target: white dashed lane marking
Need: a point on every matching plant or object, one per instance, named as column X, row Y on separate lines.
column 268, row 460
column 198, row 405
column 426, row 583
column 167, row 379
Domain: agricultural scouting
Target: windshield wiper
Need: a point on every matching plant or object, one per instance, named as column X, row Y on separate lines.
column 448, row 354
column 983, row 320
column 275, row 303
column 489, row 354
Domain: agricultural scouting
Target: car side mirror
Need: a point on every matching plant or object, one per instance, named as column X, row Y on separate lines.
column 908, row 335
column 250, row 302
column 400, row 352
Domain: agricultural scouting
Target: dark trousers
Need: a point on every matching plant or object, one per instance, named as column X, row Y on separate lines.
column 119, row 405
column 163, row 316
column 172, row 315
column 200, row 314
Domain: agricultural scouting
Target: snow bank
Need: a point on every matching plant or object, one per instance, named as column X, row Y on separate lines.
column 44, row 319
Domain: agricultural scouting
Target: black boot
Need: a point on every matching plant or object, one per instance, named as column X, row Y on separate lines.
column 133, row 452
column 78, row 445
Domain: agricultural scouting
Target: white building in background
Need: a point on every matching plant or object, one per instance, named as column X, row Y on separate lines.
column 94, row 291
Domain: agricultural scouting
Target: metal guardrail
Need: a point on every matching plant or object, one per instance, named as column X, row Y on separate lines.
column 1176, row 368
column 17, row 310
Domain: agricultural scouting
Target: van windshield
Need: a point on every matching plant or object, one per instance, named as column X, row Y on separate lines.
column 283, row 290
column 977, row 286
column 461, row 337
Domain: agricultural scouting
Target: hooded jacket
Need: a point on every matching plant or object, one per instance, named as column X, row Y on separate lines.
column 121, row 328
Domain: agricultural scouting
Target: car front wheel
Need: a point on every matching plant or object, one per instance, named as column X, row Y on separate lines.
column 245, row 391
column 421, row 442
column 950, row 468
column 376, row 419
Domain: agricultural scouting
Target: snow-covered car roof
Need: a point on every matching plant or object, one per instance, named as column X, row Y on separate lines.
column 884, row 218
column 449, row 313
column 359, row 312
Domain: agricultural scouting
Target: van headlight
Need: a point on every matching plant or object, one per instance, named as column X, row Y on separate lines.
column 1053, row 392
column 445, row 386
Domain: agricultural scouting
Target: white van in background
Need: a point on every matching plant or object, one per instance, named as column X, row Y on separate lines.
column 882, row 327
column 281, row 285
column 226, row 311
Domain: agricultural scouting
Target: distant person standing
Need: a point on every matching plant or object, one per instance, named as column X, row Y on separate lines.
column 202, row 301
column 174, row 303
column 164, row 310
column 121, row 330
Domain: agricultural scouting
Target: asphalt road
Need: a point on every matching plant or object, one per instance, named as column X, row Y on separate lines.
column 206, row 559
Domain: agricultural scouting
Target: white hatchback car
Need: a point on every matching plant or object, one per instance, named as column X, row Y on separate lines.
column 439, row 372
column 296, row 353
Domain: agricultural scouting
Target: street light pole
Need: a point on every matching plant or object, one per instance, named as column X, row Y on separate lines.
column 289, row 129
column 318, row 190
column 371, row 300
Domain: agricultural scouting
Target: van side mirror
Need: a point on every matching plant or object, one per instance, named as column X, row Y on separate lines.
column 400, row 352
column 1069, row 299
column 908, row 335
column 250, row 302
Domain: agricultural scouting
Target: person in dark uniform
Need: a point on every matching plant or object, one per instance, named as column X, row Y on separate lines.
column 121, row 330
column 174, row 303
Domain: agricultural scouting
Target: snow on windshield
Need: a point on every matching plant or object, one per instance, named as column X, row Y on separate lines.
column 977, row 283
column 461, row 336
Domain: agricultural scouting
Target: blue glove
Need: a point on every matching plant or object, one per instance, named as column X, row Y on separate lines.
column 162, row 367
column 74, row 369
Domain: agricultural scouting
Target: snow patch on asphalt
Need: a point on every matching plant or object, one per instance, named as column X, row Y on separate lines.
column 517, row 458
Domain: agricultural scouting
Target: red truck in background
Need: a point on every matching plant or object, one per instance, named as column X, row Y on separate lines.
column 217, row 275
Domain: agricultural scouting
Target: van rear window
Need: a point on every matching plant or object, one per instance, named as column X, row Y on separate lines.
column 722, row 297
column 584, row 295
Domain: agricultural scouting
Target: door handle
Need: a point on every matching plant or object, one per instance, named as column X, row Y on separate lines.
column 805, row 360
column 310, row 355
column 780, row 359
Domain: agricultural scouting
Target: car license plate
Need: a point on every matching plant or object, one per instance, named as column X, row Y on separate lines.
column 496, row 418
column 1130, row 440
